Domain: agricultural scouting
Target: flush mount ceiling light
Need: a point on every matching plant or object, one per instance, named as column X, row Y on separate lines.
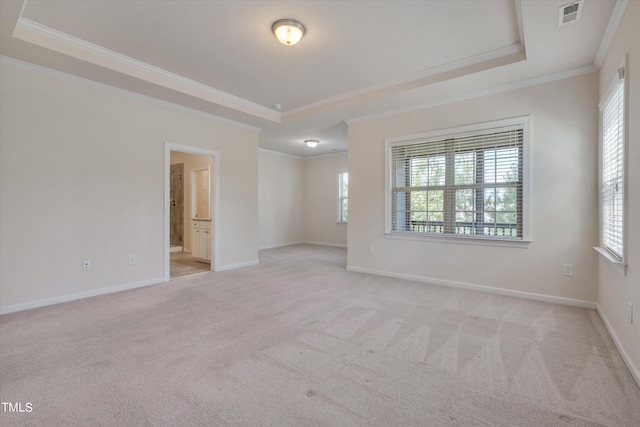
column 312, row 143
column 288, row 31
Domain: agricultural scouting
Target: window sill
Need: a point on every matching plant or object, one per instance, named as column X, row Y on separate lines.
column 618, row 265
column 521, row 244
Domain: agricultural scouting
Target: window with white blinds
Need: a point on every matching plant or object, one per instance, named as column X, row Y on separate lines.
column 463, row 184
column 613, row 173
column 343, row 196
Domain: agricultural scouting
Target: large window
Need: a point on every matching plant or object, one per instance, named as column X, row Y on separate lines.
column 612, row 183
column 467, row 182
column 343, row 196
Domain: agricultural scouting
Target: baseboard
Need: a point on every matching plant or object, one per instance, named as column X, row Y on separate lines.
column 72, row 297
column 333, row 245
column 235, row 266
column 279, row 245
column 474, row 287
column 635, row 372
column 303, row 242
column 176, row 249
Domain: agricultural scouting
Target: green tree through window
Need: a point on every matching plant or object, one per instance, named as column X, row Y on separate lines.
column 470, row 185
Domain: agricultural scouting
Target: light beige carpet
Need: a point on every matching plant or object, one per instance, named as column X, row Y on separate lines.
column 300, row 341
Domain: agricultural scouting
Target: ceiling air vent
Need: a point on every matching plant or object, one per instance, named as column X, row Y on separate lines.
column 570, row 13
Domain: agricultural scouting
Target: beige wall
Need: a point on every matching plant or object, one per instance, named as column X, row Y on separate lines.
column 564, row 195
column 281, row 197
column 321, row 200
column 82, row 177
column 298, row 199
column 616, row 291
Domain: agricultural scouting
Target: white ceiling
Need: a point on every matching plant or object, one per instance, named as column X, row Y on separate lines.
column 357, row 59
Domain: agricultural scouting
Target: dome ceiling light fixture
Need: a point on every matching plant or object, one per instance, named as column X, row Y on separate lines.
column 312, row 143
column 288, row 31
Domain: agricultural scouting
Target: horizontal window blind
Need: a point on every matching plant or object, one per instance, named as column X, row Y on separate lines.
column 613, row 173
column 343, row 196
column 465, row 185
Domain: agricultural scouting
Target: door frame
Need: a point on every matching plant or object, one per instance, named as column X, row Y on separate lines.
column 214, row 187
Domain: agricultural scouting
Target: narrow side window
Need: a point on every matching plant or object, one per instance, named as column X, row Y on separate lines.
column 343, row 196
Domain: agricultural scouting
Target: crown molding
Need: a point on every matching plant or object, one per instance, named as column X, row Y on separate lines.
column 477, row 94
column 507, row 55
column 332, row 154
column 294, row 156
column 520, row 22
column 612, row 27
column 280, row 153
column 49, row 38
column 27, row 66
column 453, row 69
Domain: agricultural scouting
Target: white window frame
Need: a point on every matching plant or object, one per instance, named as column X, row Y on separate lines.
column 341, row 219
column 525, row 123
column 618, row 87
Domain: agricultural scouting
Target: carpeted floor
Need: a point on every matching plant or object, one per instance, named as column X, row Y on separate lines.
column 300, row 341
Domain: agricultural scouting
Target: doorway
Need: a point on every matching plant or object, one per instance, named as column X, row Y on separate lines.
column 191, row 183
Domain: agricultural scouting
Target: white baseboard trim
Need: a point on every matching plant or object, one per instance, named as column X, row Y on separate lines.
column 333, row 245
column 80, row 295
column 303, row 242
column 635, row 372
column 176, row 249
column 235, row 266
column 481, row 288
column 279, row 245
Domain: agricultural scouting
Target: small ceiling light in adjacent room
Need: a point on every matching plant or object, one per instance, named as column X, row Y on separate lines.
column 311, row 143
column 288, row 31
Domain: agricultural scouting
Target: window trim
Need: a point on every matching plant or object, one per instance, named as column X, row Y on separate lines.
column 525, row 123
column 619, row 265
column 339, row 198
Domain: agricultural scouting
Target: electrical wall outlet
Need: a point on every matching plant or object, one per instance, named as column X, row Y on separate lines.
column 231, row 247
column 568, row 269
column 132, row 259
column 372, row 250
column 86, row 264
